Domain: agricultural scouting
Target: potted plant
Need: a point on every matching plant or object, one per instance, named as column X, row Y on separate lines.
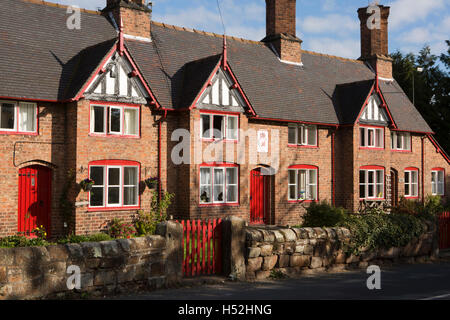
column 152, row 182
column 87, row 184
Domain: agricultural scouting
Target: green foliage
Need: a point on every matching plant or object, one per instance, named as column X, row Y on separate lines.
column 118, row 229
column 323, row 215
column 381, row 231
column 428, row 210
column 22, row 241
column 85, row 238
column 277, row 274
column 146, row 223
column 431, row 87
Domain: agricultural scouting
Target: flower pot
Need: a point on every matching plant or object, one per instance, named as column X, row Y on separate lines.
column 151, row 184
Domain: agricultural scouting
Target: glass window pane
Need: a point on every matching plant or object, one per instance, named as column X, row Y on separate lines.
column 362, row 134
column 312, row 133
column 407, row 191
column 205, row 176
column 114, row 176
column 205, row 194
column 218, row 176
column 312, row 192
column 130, row 196
column 27, row 117
column 7, row 118
column 98, row 116
column 380, row 176
column 114, row 195
column 362, row 191
column 96, row 174
column 218, row 127
column 362, row 176
column 292, row 174
column 302, row 184
column 380, row 190
column 231, row 175
column 371, row 191
column 232, row 128
column 312, row 176
column 407, row 177
column 96, row 197
column 206, row 126
column 218, row 193
column 414, row 177
column 292, row 192
column 130, row 176
column 292, row 135
column 392, row 141
column 115, row 119
column 371, row 138
column 407, row 142
column 399, row 141
column 232, row 193
column 371, row 177
column 379, row 140
column 131, row 124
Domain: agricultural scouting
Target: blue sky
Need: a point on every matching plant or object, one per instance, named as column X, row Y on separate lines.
column 327, row 26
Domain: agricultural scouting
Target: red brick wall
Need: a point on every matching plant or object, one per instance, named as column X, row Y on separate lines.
column 19, row 151
column 90, row 148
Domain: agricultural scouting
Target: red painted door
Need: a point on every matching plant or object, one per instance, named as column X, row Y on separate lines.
column 259, row 197
column 34, row 199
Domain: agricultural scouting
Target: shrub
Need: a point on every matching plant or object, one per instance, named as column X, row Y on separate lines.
column 428, row 210
column 120, row 229
column 382, row 231
column 323, row 215
column 146, row 223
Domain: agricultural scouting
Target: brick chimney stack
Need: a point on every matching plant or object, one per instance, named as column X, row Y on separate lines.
column 281, row 30
column 374, row 39
column 135, row 15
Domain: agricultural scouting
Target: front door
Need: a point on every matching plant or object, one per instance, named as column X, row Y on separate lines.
column 259, row 197
column 34, row 199
column 394, row 188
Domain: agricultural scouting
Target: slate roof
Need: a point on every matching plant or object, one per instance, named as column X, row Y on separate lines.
column 45, row 60
column 40, row 56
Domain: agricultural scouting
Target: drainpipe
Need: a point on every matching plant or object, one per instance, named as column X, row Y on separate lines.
column 423, row 168
column 159, row 154
column 333, row 160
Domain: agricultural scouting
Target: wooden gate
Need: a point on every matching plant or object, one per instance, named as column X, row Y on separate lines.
column 202, row 242
column 34, row 199
column 444, row 230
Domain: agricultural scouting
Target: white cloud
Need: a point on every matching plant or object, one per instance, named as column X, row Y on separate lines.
column 347, row 48
column 404, row 12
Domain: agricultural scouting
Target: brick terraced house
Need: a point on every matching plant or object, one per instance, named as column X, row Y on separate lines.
column 269, row 127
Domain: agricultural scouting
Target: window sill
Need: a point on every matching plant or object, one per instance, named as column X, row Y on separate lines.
column 113, row 209
column 301, row 146
column 113, row 136
column 219, row 205
column 18, row 133
column 302, row 201
column 370, row 148
column 402, row 151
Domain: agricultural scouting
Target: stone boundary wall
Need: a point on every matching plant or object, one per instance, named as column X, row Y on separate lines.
column 302, row 250
column 106, row 267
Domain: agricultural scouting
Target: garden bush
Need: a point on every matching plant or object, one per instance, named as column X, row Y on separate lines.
column 85, row 238
column 120, row 229
column 323, row 215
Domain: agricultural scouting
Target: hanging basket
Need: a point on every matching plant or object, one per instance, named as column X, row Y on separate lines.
column 152, row 183
column 87, row 184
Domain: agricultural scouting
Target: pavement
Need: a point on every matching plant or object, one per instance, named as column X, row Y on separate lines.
column 427, row 281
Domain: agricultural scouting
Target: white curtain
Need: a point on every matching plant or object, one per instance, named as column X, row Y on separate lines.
column 131, row 122
column 27, row 117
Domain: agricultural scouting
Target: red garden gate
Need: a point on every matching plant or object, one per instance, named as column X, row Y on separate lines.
column 444, row 230
column 202, row 242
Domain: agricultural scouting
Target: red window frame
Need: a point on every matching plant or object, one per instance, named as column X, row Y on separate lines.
column 213, row 166
column 437, row 170
column 122, row 106
column 114, row 163
column 225, row 115
column 366, row 183
column 412, row 169
column 366, row 129
column 16, row 131
column 304, row 167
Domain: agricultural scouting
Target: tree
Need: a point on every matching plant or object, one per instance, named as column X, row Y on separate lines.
column 431, row 87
